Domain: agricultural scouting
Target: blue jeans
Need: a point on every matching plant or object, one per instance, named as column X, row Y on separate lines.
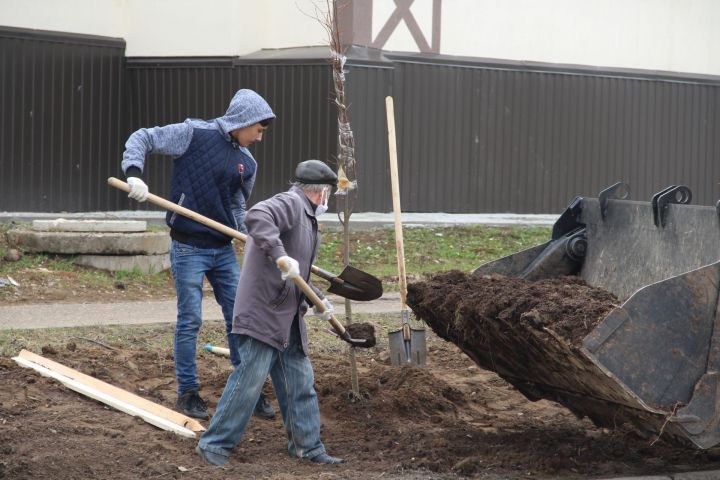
column 189, row 266
column 292, row 377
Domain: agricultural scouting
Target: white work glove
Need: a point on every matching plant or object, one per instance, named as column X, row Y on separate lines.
column 328, row 310
column 138, row 189
column 292, row 265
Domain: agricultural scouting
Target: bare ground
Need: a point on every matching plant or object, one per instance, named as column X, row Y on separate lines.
column 449, row 420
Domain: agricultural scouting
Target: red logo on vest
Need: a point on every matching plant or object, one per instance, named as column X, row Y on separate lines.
column 241, row 168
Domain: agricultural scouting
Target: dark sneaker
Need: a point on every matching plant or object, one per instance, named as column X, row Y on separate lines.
column 192, row 405
column 263, row 409
column 326, row 459
column 211, row 458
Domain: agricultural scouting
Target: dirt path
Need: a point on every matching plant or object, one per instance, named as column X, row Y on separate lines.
column 44, row 315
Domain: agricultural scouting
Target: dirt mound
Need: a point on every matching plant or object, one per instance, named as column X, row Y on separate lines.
column 461, row 305
column 403, row 392
column 530, row 333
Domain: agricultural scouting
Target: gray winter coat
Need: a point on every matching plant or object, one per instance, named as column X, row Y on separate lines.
column 265, row 305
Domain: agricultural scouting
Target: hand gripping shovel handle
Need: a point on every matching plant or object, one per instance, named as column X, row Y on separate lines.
column 174, row 207
column 320, row 306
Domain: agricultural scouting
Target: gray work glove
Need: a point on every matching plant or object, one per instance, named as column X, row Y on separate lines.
column 327, row 313
column 138, row 189
column 292, row 265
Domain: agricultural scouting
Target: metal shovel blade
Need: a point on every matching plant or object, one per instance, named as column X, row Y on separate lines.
column 353, row 284
column 410, row 351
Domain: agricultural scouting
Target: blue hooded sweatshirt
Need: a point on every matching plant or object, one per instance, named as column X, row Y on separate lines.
column 212, row 174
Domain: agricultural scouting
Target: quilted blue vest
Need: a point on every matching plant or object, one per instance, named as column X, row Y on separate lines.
column 205, row 179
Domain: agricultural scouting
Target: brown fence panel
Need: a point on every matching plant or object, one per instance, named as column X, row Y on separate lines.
column 477, row 137
column 473, row 136
column 60, row 130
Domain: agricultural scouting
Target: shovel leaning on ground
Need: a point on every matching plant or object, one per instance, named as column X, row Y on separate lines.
column 407, row 345
column 368, row 285
column 351, row 283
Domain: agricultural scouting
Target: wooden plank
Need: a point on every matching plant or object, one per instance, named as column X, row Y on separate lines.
column 113, row 391
column 107, row 399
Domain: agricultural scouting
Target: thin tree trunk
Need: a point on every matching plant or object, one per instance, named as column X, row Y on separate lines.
column 348, row 306
column 345, row 155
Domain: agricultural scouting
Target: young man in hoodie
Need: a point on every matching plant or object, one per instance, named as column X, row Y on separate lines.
column 213, row 174
column 269, row 326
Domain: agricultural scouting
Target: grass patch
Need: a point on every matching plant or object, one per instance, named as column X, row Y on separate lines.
column 427, row 250
column 57, row 263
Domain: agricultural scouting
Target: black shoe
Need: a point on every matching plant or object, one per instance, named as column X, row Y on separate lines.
column 327, row 459
column 263, row 409
column 192, row 405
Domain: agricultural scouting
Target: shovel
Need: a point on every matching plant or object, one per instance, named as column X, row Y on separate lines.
column 407, row 345
column 351, row 283
column 309, row 293
column 320, row 308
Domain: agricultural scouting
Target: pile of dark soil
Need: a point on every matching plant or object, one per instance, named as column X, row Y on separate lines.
column 460, row 306
column 531, row 333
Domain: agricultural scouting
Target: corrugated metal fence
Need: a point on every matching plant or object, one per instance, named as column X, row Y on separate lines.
column 473, row 136
column 60, row 120
column 480, row 138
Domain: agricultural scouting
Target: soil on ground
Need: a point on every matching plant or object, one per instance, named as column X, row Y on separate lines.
column 449, row 420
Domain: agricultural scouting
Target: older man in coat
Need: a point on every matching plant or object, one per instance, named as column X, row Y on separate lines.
column 269, row 334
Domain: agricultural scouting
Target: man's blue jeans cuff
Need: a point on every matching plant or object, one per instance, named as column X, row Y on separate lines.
column 215, row 450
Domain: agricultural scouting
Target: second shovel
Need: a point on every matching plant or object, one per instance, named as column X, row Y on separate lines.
column 407, row 345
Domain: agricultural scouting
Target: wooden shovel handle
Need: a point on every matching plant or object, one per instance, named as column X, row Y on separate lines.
column 395, row 184
column 185, row 212
column 231, row 232
column 174, row 207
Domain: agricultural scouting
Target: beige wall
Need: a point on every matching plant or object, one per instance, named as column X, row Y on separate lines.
column 672, row 35
column 176, row 27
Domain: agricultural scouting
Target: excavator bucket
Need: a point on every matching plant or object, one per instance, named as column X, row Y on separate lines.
column 654, row 360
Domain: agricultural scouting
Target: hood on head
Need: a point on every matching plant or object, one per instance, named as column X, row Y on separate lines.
column 246, row 108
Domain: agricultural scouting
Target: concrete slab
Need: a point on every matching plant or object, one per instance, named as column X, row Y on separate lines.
column 145, row 243
column 65, row 225
column 127, row 263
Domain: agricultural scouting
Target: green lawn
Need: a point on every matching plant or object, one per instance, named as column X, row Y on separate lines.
column 427, row 250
